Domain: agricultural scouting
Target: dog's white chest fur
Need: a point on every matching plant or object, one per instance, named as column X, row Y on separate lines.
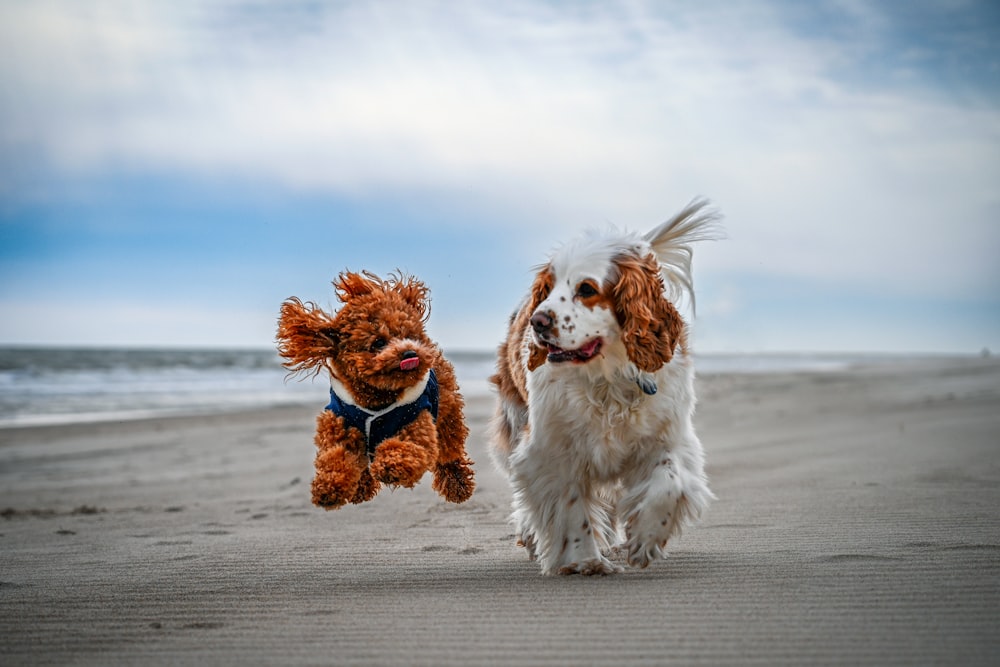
column 602, row 424
column 596, row 399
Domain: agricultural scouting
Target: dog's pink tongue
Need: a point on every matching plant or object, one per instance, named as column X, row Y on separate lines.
column 409, row 364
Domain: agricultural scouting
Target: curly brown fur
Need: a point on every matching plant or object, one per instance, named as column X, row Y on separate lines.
column 362, row 346
column 403, row 460
column 454, row 481
column 341, row 462
column 453, row 476
column 304, row 336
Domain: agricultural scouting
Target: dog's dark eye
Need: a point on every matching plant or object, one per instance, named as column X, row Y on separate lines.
column 586, row 289
column 378, row 344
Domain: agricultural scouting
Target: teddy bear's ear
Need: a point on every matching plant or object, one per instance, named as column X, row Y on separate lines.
column 413, row 291
column 349, row 285
column 307, row 336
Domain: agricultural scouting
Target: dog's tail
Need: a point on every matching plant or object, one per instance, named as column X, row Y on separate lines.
column 671, row 244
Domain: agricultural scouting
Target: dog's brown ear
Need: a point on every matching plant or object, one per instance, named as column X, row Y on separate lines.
column 307, row 336
column 349, row 284
column 540, row 290
column 651, row 326
column 542, row 287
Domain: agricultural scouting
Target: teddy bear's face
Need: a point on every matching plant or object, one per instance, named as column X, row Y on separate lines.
column 381, row 344
column 375, row 345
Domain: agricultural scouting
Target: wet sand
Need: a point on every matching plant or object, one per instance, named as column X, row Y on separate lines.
column 857, row 523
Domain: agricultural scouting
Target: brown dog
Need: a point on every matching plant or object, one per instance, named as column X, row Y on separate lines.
column 395, row 409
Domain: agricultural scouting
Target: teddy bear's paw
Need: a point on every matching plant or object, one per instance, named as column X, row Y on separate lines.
column 454, row 481
column 368, row 487
column 400, row 463
column 328, row 503
column 336, row 480
column 327, row 498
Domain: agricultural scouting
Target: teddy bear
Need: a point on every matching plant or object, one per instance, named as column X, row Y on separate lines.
column 395, row 410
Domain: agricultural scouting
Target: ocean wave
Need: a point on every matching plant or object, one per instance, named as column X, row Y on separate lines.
column 60, row 385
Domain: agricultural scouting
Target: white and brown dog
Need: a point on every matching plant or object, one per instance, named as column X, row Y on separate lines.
column 595, row 400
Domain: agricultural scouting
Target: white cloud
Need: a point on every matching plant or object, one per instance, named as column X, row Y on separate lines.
column 571, row 114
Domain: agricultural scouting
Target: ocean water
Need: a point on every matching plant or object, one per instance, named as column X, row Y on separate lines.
column 53, row 386
column 59, row 386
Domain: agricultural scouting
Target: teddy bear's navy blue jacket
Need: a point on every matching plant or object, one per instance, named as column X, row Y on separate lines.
column 387, row 422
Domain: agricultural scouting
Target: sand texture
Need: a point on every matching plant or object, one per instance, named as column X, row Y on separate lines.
column 858, row 522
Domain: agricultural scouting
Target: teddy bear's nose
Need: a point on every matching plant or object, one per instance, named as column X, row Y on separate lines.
column 409, row 361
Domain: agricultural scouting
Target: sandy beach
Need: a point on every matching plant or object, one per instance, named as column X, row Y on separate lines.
column 856, row 523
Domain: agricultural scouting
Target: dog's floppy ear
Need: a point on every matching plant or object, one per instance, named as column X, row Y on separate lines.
column 540, row 291
column 307, row 336
column 651, row 326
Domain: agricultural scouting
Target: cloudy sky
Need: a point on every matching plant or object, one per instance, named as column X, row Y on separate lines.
column 171, row 171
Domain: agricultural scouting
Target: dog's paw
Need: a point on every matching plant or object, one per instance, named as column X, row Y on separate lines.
column 642, row 554
column 595, row 566
column 648, row 531
column 454, row 481
column 527, row 540
column 336, row 480
column 328, row 502
column 400, row 463
column 368, row 488
column 326, row 497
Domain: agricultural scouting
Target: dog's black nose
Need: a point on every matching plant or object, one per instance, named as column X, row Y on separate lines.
column 541, row 322
column 409, row 354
